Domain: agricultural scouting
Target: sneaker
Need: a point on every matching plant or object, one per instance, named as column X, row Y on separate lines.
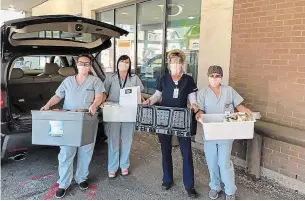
column 230, row 197
column 213, row 194
column 192, row 193
column 84, row 185
column 167, row 185
column 60, row 193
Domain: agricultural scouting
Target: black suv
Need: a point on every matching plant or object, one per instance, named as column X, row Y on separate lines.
column 30, row 73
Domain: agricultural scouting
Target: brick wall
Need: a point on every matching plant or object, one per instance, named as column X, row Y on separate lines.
column 268, row 58
column 284, row 158
column 239, row 149
column 268, row 70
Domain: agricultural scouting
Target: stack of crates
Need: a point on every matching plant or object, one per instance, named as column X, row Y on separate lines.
column 166, row 120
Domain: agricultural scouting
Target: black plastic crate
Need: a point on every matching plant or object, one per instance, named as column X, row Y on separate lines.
column 166, row 120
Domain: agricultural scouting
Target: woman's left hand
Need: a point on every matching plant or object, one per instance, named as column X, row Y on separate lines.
column 198, row 115
column 92, row 109
column 195, row 107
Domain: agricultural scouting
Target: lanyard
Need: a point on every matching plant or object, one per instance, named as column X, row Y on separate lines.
column 124, row 80
column 176, row 90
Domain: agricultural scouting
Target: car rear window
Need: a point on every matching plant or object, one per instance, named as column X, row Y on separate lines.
column 32, row 65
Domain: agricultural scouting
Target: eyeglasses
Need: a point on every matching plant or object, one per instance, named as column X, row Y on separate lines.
column 215, row 76
column 85, row 64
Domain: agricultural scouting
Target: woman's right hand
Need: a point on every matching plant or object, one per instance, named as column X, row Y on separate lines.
column 198, row 115
column 44, row 108
column 147, row 102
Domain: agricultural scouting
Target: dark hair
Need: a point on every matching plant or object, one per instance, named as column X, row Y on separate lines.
column 123, row 58
column 85, row 55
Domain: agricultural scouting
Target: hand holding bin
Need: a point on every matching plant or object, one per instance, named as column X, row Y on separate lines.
column 215, row 129
column 63, row 128
column 126, row 109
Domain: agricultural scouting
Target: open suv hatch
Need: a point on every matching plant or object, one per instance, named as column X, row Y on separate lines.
column 22, row 92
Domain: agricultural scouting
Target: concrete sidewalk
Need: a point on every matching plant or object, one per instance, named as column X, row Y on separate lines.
column 35, row 177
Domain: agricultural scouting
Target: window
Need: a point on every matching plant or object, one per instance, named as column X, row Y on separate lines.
column 150, row 42
column 42, row 34
column 125, row 18
column 71, row 61
column 56, row 34
column 32, row 64
column 58, row 61
column 49, row 34
column 107, row 56
column 183, row 31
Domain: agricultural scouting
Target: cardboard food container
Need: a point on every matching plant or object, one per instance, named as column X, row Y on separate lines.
column 215, row 129
column 63, row 128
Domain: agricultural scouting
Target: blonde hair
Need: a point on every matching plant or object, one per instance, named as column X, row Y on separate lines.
column 178, row 53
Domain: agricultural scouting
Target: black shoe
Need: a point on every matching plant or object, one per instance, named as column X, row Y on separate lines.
column 167, row 185
column 192, row 193
column 60, row 193
column 84, row 185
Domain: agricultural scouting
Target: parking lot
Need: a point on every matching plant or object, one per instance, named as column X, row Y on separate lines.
column 36, row 176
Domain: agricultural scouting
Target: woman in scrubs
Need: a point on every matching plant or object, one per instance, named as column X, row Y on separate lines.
column 82, row 91
column 219, row 99
column 175, row 90
column 118, row 153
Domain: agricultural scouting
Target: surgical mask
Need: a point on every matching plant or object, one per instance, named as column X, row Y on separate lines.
column 176, row 69
column 214, row 82
column 83, row 70
column 123, row 66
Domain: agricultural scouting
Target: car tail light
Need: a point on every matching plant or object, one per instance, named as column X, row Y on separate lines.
column 2, row 99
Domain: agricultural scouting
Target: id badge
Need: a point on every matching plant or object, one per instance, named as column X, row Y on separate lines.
column 176, row 93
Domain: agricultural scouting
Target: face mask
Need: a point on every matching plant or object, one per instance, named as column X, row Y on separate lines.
column 83, row 70
column 214, row 82
column 123, row 66
column 176, row 69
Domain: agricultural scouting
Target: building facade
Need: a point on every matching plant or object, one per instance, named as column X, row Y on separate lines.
column 259, row 43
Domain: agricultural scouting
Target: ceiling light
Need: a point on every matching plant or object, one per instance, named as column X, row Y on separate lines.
column 124, row 13
column 191, row 17
column 156, row 18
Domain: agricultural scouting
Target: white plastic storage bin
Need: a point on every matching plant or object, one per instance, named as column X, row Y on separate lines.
column 115, row 113
column 63, row 128
column 215, row 129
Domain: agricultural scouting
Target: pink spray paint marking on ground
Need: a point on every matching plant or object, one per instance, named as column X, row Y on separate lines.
column 51, row 192
column 37, row 178
column 92, row 192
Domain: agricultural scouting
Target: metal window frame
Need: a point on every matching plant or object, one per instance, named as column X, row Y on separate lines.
column 114, row 41
column 164, row 45
column 135, row 35
column 136, row 39
column 136, row 3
